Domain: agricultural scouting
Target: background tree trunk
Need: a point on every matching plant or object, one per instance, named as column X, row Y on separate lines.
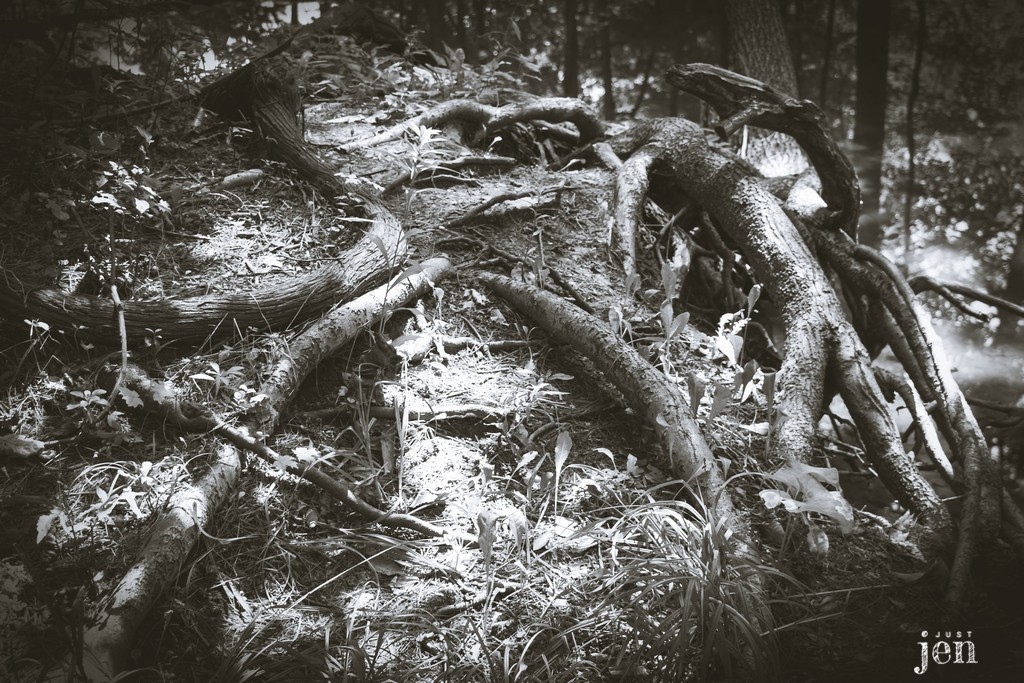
column 758, row 41
column 826, row 61
column 606, row 67
column 571, row 70
column 480, row 28
column 869, row 122
column 438, row 31
column 461, row 33
column 1015, row 278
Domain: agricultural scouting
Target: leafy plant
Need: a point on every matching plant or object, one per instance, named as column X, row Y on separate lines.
column 123, row 492
column 127, row 189
column 805, row 495
column 222, row 379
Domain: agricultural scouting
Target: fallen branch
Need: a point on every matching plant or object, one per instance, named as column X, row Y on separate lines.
column 475, row 211
column 433, row 413
column 472, row 113
column 481, row 122
column 446, row 168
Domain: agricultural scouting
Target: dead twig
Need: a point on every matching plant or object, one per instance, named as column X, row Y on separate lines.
column 475, row 211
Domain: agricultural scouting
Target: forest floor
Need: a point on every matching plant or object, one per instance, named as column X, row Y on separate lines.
column 519, row 442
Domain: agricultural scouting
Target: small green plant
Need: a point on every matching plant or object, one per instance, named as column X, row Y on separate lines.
column 124, row 492
column 95, row 410
column 89, row 401
column 672, row 325
column 223, row 380
column 424, row 149
column 804, row 494
column 127, row 189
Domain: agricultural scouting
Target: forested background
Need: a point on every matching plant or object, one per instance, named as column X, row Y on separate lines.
column 270, row 408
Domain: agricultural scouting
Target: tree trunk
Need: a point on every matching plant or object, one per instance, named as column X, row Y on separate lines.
column 644, row 84
column 758, row 41
column 871, row 99
column 798, row 26
column 606, row 68
column 757, row 38
column 1015, row 278
column 460, row 29
column 826, row 60
column 479, row 30
column 571, row 71
column 438, row 32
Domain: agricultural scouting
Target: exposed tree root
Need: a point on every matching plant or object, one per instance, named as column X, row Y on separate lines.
column 327, row 335
column 819, row 338
column 821, row 342
column 630, row 197
column 951, row 290
column 660, row 404
column 744, row 101
column 260, row 92
column 445, row 171
column 648, row 391
column 108, row 641
column 474, row 212
column 273, row 306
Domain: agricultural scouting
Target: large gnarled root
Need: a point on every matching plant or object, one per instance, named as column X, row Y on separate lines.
column 884, row 307
column 820, row 340
column 648, row 391
column 275, row 305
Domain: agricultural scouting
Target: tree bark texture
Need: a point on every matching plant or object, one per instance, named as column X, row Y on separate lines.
column 276, row 305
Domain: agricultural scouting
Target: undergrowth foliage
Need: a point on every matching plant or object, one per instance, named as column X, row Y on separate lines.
column 678, row 602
